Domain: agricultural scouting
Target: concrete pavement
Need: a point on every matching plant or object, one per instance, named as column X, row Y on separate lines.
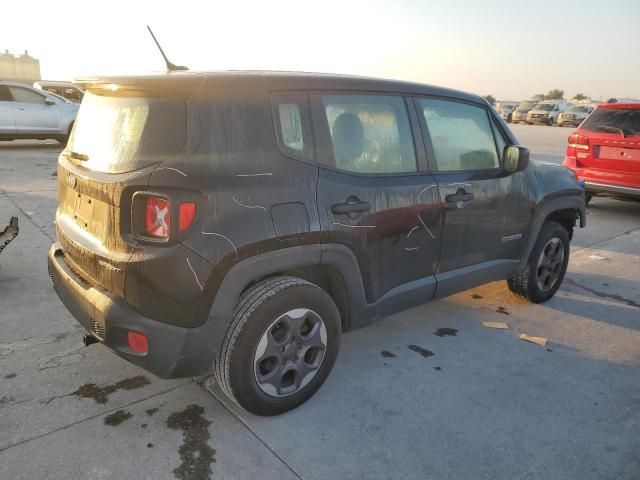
column 485, row 405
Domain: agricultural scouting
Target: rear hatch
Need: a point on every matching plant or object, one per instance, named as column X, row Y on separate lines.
column 614, row 139
column 120, row 135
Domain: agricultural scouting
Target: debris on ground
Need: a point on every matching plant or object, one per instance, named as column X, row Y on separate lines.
column 500, row 325
column 537, row 340
column 9, row 233
column 598, row 258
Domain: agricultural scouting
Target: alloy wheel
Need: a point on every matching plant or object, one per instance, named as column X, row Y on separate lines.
column 550, row 264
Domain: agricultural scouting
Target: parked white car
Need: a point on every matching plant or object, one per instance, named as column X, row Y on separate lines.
column 575, row 115
column 505, row 110
column 26, row 112
column 547, row 112
column 65, row 89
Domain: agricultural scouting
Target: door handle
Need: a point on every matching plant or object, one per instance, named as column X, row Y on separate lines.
column 350, row 207
column 459, row 197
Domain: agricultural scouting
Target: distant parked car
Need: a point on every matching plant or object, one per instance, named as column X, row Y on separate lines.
column 505, row 110
column 26, row 112
column 519, row 115
column 65, row 89
column 575, row 115
column 605, row 151
column 546, row 112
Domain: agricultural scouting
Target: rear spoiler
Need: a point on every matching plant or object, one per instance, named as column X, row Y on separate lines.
column 9, row 233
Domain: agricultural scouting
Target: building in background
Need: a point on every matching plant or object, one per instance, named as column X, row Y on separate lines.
column 19, row 68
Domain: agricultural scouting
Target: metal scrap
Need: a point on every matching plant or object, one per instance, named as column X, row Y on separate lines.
column 9, row 233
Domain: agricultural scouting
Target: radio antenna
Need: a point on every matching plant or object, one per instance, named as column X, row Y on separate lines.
column 170, row 66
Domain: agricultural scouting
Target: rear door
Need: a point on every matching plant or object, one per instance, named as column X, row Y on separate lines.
column 7, row 123
column 32, row 114
column 484, row 224
column 374, row 194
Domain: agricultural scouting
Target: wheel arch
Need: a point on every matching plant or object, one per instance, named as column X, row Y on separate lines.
column 564, row 210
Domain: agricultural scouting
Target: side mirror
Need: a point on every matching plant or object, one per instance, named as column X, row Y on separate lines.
column 48, row 101
column 516, row 158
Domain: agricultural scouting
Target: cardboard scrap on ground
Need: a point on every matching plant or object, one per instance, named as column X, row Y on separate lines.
column 501, row 325
column 599, row 258
column 537, row 340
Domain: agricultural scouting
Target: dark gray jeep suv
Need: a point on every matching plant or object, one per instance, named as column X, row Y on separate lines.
column 242, row 221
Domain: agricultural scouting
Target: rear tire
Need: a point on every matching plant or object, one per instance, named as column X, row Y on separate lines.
column 280, row 346
column 544, row 271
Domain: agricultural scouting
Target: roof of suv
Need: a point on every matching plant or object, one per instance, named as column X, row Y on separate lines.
column 276, row 80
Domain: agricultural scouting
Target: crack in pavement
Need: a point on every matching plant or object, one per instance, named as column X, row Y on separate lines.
column 598, row 293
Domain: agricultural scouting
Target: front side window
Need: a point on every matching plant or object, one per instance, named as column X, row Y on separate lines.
column 370, row 133
column 26, row 96
column 461, row 135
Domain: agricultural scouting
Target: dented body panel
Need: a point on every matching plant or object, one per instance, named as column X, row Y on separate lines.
column 262, row 210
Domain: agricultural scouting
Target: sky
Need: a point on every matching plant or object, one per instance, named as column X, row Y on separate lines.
column 511, row 49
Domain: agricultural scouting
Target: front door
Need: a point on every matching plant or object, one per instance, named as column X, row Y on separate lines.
column 32, row 114
column 485, row 208
column 7, row 124
column 374, row 195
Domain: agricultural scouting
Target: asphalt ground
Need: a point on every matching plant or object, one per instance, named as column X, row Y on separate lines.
column 485, row 405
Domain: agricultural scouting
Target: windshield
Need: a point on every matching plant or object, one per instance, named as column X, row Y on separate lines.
column 578, row 109
column 525, row 106
column 546, row 107
column 120, row 134
column 611, row 120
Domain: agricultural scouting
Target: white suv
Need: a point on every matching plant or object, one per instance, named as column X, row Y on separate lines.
column 26, row 112
column 546, row 112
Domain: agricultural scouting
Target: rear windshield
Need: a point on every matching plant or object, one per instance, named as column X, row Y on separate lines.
column 120, row 134
column 611, row 120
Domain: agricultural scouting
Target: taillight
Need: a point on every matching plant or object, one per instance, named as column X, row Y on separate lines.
column 158, row 217
column 137, row 342
column 580, row 142
column 186, row 215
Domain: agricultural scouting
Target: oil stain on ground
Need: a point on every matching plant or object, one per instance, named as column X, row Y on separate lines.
column 195, row 452
column 387, row 354
column 475, row 296
column 600, row 294
column 445, row 332
column 151, row 411
column 10, row 375
column 422, row 351
column 101, row 394
column 116, row 418
column 503, row 310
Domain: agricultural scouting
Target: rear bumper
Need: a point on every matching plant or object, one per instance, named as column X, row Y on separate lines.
column 613, row 189
column 174, row 352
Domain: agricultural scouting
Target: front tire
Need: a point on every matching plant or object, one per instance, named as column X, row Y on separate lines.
column 280, row 346
column 544, row 271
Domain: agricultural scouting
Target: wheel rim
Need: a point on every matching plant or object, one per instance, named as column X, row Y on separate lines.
column 550, row 264
column 290, row 352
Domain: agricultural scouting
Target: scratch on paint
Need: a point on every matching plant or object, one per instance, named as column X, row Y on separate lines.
column 354, row 226
column 253, row 174
column 459, row 183
column 194, row 274
column 426, row 228
column 226, row 238
column 427, row 188
column 247, row 206
column 412, row 230
column 411, row 249
column 174, row 169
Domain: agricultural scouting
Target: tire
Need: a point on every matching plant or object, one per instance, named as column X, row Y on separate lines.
column 267, row 319
column 551, row 122
column 587, row 198
column 530, row 282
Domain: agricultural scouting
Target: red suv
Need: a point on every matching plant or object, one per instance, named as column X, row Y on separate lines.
column 604, row 151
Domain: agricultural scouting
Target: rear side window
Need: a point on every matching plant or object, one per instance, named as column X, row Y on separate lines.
column 461, row 135
column 5, row 95
column 614, row 120
column 26, row 96
column 121, row 134
column 370, row 133
column 293, row 129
